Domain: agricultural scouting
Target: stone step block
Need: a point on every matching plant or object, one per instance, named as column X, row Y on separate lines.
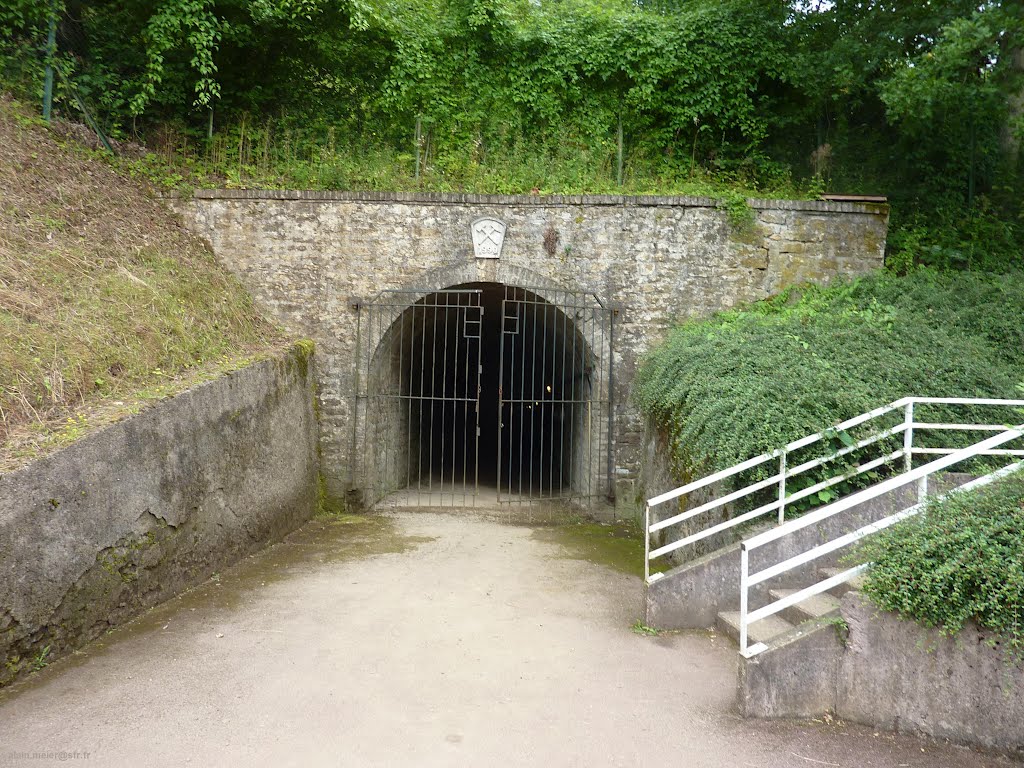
column 813, row 607
column 728, row 623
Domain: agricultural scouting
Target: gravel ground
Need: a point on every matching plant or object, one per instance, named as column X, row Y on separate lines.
column 417, row 639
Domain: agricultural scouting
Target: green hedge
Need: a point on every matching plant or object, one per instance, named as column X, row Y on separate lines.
column 747, row 381
column 962, row 559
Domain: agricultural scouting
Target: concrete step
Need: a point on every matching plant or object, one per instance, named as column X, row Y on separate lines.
column 813, row 607
column 795, row 675
column 728, row 623
column 857, row 582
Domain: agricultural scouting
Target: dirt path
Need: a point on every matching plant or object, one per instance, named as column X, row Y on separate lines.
column 416, row 640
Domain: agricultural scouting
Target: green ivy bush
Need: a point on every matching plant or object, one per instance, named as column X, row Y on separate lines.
column 976, row 237
column 961, row 559
column 748, row 381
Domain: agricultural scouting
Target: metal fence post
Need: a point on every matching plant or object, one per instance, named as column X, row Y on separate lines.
column 782, row 487
column 908, row 452
column 618, row 174
column 647, row 542
column 908, row 438
column 419, row 143
column 51, row 52
column 744, row 568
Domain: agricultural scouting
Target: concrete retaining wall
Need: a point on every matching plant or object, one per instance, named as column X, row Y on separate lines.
column 891, row 673
column 152, row 505
column 797, row 677
column 894, row 674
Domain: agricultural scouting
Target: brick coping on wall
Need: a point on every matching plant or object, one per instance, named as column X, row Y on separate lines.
column 447, row 198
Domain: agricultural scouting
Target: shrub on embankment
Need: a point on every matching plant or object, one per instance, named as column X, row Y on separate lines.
column 748, row 381
column 962, row 559
column 103, row 294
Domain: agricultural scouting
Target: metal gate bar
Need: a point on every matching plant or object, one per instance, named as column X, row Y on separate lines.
column 563, row 338
column 413, row 408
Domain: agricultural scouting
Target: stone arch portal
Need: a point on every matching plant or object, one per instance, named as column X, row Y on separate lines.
column 484, row 392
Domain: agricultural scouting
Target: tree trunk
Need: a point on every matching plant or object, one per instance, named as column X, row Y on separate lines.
column 1010, row 139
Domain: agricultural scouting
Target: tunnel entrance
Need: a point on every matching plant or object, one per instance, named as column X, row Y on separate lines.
column 484, row 391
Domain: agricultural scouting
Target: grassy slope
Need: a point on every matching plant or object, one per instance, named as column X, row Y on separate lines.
column 105, row 299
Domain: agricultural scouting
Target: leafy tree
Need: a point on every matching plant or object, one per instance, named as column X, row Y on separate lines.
column 956, row 83
column 918, row 100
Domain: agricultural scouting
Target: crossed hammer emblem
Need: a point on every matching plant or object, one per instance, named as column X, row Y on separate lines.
column 487, row 237
column 489, row 232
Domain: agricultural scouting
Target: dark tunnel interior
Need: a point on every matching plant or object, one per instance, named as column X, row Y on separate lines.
column 493, row 380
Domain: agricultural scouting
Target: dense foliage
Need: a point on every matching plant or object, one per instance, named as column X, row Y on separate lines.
column 745, row 382
column 917, row 100
column 962, row 559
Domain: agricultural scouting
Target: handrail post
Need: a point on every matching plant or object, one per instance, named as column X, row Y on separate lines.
column 647, row 542
column 908, row 438
column 782, row 487
column 744, row 571
column 908, row 452
column 922, row 484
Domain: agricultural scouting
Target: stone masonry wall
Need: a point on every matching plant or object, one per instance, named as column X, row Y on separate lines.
column 310, row 257
column 147, row 507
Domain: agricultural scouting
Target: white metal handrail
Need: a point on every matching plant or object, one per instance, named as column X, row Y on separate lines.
column 988, row 446
column 907, row 427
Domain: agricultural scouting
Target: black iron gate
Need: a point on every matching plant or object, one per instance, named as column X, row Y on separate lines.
column 482, row 393
column 554, row 414
column 418, row 385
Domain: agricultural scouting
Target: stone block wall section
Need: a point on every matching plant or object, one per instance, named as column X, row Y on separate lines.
column 891, row 673
column 310, row 258
column 134, row 514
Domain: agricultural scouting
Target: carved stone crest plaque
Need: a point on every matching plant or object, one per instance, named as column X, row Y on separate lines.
column 488, row 237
